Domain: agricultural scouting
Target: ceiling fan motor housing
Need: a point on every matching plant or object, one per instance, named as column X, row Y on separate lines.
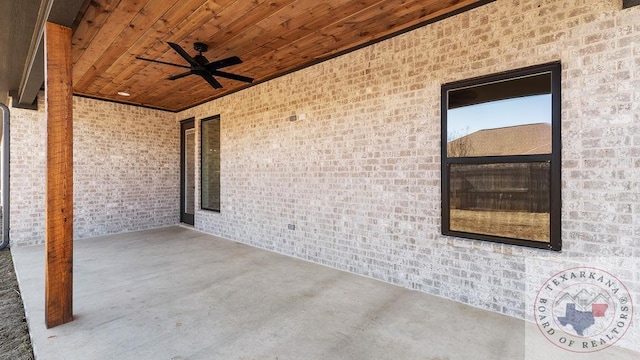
column 201, row 60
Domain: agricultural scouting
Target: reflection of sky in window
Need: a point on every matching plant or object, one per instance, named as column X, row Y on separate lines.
column 496, row 114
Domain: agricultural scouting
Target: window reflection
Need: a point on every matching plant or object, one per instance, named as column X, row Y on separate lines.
column 502, row 199
column 501, row 157
column 499, row 119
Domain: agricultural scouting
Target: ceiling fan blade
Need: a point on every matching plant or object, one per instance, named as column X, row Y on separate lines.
column 231, row 76
column 178, row 76
column 184, row 54
column 218, row 64
column 213, row 82
column 162, row 62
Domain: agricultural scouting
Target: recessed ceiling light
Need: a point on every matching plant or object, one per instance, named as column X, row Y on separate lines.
column 123, row 93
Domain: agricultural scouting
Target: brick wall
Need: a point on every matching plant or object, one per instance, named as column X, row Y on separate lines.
column 28, row 171
column 126, row 170
column 360, row 175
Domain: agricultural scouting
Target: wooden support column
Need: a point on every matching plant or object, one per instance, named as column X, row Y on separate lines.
column 59, row 189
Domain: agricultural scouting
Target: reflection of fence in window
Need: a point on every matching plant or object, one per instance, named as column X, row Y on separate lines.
column 500, row 187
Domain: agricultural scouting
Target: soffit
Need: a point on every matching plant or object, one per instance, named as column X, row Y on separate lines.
column 272, row 38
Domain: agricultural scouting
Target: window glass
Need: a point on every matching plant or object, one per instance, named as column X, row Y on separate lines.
column 501, row 157
column 210, row 163
column 511, row 117
column 502, row 199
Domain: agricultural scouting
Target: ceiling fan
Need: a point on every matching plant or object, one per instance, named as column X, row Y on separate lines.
column 199, row 65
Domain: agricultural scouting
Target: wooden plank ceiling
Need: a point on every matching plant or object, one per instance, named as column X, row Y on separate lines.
column 272, row 37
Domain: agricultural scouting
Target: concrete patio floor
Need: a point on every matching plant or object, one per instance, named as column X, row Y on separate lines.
column 175, row 293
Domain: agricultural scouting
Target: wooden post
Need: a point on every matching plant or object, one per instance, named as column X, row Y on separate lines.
column 59, row 189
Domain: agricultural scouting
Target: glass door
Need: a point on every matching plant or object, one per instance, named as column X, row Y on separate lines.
column 187, row 171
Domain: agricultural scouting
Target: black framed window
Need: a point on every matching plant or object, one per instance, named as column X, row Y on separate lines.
column 501, row 157
column 210, row 163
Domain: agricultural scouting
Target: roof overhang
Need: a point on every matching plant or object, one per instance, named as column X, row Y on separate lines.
column 24, row 49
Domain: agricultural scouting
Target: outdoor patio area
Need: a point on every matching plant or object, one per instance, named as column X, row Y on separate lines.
column 175, row 293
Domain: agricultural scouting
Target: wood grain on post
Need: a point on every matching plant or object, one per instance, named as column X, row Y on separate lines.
column 59, row 188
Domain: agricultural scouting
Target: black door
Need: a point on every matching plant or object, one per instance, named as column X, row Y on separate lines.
column 187, row 171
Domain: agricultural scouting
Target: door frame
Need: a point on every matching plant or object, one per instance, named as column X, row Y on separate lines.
column 185, row 125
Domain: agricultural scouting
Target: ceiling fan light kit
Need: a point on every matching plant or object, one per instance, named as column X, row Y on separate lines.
column 199, row 65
